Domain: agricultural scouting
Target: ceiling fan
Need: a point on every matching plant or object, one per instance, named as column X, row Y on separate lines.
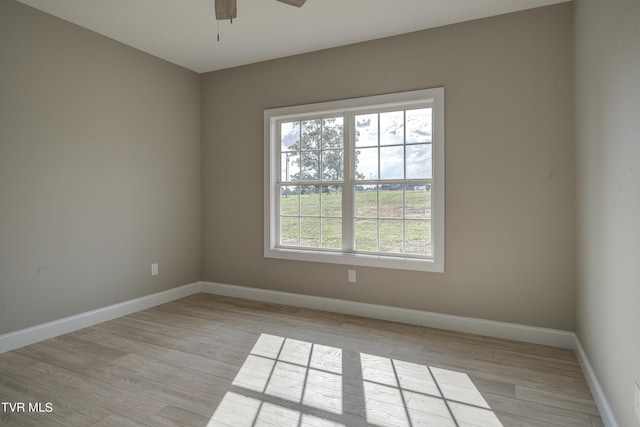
column 226, row 9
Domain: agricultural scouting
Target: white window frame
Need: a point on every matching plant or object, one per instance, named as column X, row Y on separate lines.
column 435, row 97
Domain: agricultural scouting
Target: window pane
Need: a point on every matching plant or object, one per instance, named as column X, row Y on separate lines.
column 418, row 202
column 391, row 162
column 289, row 227
column 289, row 200
column 332, row 165
column 289, row 136
column 366, row 130
column 311, row 134
column 310, row 232
column 366, row 201
column 366, row 163
column 310, row 201
column 332, row 201
column 419, row 161
column 390, row 201
column 419, row 125
column 290, row 167
column 332, row 134
column 310, row 166
column 391, row 232
column 331, row 233
column 418, row 237
column 392, row 128
column 366, row 235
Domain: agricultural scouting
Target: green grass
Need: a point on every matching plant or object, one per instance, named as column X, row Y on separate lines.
column 389, row 238
column 314, row 220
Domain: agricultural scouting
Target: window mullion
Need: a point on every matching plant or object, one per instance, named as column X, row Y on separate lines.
column 378, row 185
column 404, row 186
column 348, row 182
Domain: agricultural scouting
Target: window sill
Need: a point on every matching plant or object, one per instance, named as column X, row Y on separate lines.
column 364, row 260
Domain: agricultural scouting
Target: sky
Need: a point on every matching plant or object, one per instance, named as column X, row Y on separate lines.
column 388, row 144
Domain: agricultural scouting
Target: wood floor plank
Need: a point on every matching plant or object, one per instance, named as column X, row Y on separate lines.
column 74, row 361
column 512, row 420
column 499, row 388
column 226, row 354
column 109, row 396
column 115, row 420
column 557, row 400
column 538, row 412
column 527, row 376
column 497, row 343
column 176, row 417
column 204, row 356
column 26, row 390
column 13, row 390
column 174, row 377
column 167, row 355
column 159, row 391
column 552, row 362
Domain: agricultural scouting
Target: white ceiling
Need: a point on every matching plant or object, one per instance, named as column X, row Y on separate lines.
column 184, row 31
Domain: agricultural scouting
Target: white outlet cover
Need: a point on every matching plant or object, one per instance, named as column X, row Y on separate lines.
column 154, row 269
column 352, row 276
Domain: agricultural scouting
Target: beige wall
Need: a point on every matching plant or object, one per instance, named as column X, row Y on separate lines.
column 99, row 170
column 510, row 242
column 608, row 148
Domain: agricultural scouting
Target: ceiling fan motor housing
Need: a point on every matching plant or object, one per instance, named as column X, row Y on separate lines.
column 297, row 3
column 227, row 9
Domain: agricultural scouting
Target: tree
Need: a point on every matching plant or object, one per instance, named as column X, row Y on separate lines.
column 319, row 150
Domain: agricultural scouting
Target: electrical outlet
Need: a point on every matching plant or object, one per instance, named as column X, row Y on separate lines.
column 352, row 276
column 637, row 400
column 154, row 269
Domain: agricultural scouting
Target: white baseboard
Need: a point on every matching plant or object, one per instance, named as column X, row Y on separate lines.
column 530, row 334
column 608, row 418
column 58, row 327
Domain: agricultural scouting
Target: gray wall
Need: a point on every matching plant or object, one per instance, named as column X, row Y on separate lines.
column 510, row 190
column 99, row 170
column 608, row 153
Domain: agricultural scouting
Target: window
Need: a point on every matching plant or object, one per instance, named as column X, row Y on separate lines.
column 358, row 181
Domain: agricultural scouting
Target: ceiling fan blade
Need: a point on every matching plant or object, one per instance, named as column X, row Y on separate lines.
column 297, row 3
column 226, row 9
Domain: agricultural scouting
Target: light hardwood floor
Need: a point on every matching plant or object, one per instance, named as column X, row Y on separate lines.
column 223, row 361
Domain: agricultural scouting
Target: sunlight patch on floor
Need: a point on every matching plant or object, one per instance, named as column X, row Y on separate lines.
column 288, row 382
